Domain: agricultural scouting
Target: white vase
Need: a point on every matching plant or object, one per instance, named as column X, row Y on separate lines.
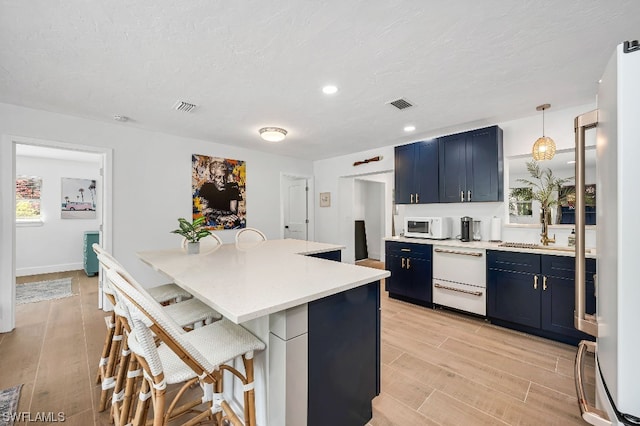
column 193, row 248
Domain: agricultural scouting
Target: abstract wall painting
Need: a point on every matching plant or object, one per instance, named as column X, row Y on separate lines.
column 218, row 189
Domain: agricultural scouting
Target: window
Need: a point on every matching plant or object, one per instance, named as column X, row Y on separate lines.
column 28, row 198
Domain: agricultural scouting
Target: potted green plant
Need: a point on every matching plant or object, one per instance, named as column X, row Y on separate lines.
column 545, row 190
column 192, row 232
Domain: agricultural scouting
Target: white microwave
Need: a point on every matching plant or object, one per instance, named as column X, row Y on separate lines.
column 437, row 228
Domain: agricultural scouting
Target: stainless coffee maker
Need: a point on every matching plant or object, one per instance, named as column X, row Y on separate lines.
column 466, row 228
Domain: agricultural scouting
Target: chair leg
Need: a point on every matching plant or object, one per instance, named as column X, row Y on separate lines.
column 250, row 397
column 133, row 377
column 106, row 348
column 142, row 407
column 108, row 381
column 117, row 397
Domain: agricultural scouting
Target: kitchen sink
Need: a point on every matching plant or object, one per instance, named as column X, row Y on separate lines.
column 539, row 247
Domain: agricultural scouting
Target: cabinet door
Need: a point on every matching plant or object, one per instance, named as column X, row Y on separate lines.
column 452, row 173
column 558, row 295
column 426, row 172
column 558, row 304
column 397, row 282
column 484, row 177
column 404, row 173
column 410, row 277
column 514, row 297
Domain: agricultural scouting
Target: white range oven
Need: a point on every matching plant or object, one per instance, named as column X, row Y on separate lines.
column 460, row 278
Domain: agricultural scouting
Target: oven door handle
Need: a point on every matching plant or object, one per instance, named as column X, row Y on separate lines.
column 444, row 287
column 589, row 413
column 464, row 253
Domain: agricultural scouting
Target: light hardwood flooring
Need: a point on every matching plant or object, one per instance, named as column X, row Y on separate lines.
column 438, row 367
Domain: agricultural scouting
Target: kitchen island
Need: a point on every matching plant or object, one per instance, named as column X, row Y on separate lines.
column 319, row 318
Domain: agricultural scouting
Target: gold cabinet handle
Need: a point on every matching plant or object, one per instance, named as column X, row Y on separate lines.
column 405, row 249
column 408, row 263
column 411, row 198
column 535, row 282
column 544, row 282
column 417, row 198
column 403, row 263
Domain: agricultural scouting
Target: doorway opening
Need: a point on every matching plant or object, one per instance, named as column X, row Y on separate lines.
column 52, row 242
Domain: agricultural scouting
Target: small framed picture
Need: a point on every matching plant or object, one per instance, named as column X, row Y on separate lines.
column 325, row 199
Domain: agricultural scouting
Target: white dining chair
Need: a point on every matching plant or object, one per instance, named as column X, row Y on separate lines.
column 250, row 235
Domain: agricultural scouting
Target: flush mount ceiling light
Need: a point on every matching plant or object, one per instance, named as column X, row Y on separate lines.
column 272, row 134
column 544, row 148
column 329, row 90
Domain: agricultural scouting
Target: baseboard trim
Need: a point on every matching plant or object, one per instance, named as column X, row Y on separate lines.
column 21, row 272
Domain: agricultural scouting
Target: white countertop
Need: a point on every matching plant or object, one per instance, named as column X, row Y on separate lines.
column 491, row 246
column 256, row 279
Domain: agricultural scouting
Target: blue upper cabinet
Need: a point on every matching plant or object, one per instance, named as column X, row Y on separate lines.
column 416, row 173
column 471, row 166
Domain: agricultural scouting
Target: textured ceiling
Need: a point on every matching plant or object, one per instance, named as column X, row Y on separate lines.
column 250, row 64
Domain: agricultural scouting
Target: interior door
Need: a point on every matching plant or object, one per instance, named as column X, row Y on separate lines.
column 295, row 209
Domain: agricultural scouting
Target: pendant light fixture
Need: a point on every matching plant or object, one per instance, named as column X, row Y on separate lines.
column 544, row 148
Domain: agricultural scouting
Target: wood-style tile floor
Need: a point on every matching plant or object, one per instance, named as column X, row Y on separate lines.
column 438, row 367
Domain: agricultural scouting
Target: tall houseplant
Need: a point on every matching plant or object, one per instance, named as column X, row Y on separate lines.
column 192, row 232
column 544, row 188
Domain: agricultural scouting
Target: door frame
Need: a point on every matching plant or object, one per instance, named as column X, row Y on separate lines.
column 310, row 197
column 8, row 219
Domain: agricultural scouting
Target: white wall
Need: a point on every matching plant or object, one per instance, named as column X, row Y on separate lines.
column 57, row 244
column 151, row 184
column 518, row 138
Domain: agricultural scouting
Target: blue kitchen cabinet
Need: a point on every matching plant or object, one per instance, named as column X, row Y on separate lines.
column 90, row 257
column 558, row 294
column 411, row 271
column 471, row 166
column 416, row 173
column 535, row 293
column 344, row 356
column 335, row 255
column 513, row 287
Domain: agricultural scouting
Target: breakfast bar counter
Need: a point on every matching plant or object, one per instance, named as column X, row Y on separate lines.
column 319, row 318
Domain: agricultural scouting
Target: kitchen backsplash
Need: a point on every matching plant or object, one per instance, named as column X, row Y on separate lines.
column 485, row 212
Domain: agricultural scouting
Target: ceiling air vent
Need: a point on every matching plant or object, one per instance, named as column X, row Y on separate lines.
column 401, row 103
column 184, row 106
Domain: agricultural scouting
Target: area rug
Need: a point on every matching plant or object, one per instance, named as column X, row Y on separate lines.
column 9, row 404
column 43, row 290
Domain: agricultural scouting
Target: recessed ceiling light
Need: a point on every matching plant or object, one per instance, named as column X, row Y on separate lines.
column 272, row 134
column 409, row 128
column 329, row 90
column 571, row 162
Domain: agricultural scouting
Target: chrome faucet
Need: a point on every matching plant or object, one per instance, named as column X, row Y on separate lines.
column 545, row 240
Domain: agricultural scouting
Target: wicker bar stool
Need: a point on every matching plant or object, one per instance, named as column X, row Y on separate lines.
column 190, row 313
column 205, row 351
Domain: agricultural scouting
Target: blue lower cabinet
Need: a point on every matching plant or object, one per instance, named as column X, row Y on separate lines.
column 513, row 296
column 411, row 271
column 535, row 293
column 335, row 255
column 558, row 295
column 344, row 357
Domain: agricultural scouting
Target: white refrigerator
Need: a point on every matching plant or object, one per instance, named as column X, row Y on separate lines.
column 617, row 322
